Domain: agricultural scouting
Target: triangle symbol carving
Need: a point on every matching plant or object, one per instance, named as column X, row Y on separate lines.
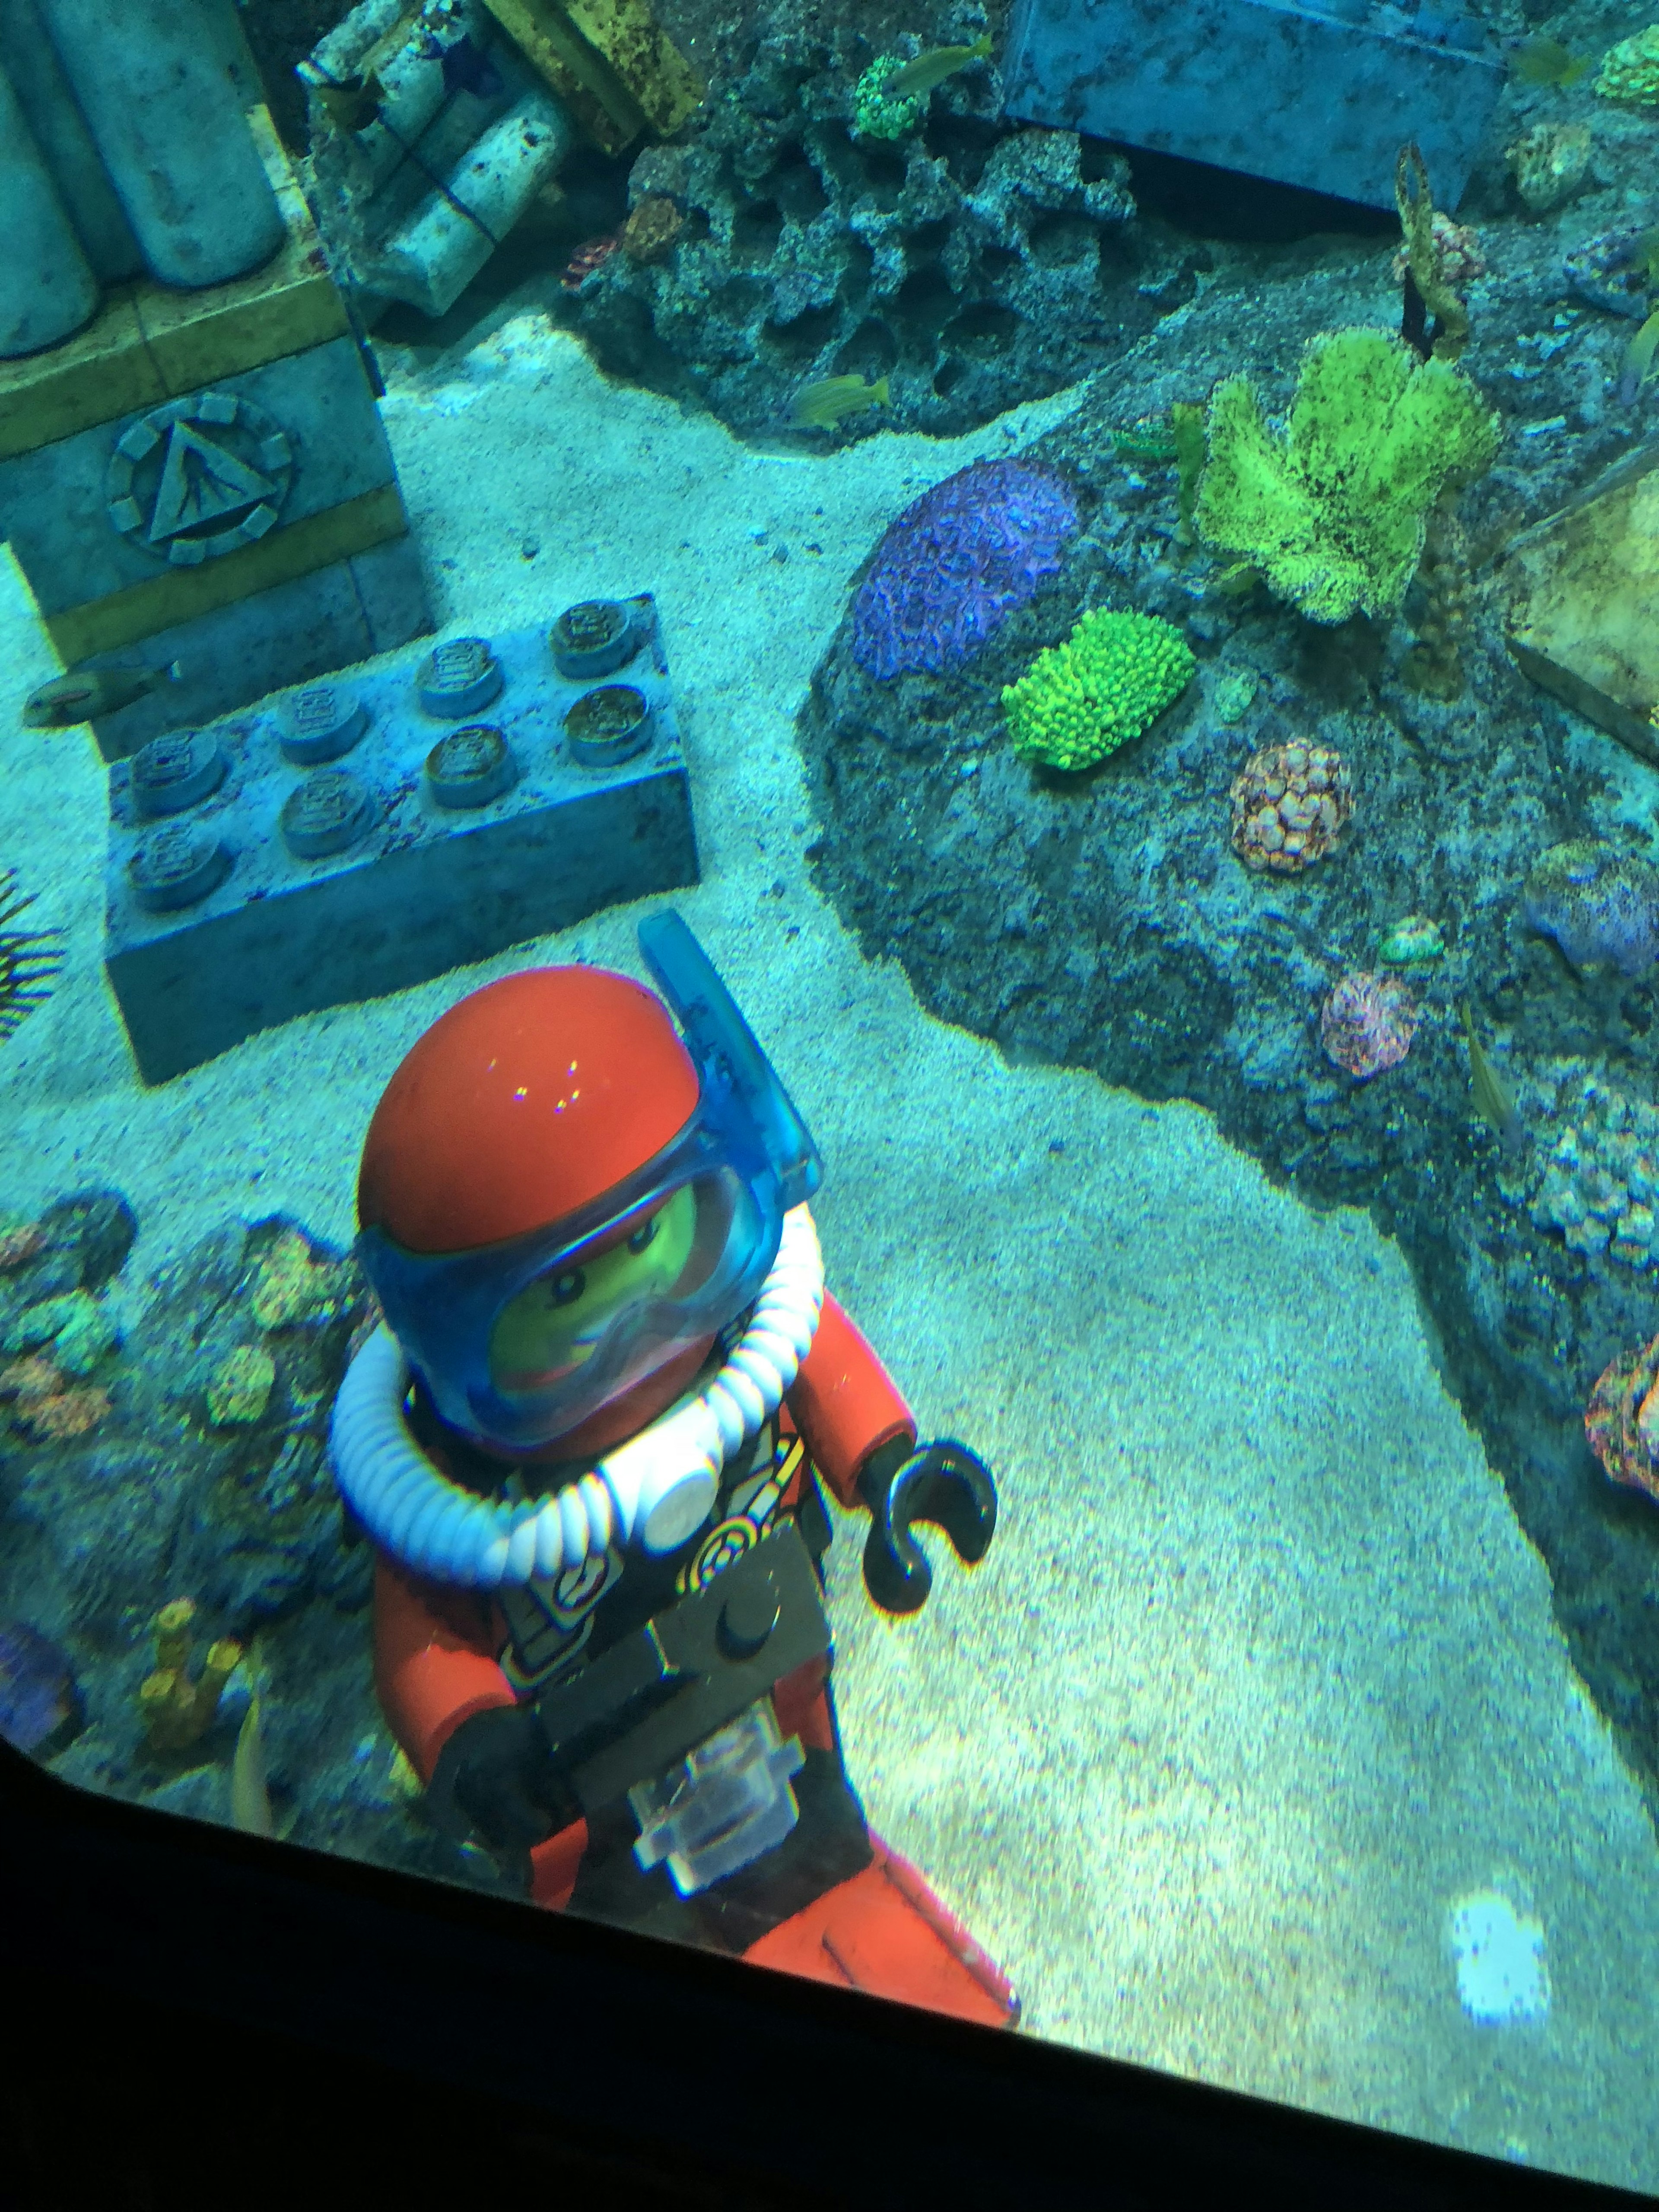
column 200, row 481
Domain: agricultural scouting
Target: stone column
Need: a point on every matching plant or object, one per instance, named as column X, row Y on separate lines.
column 151, row 79
column 46, row 289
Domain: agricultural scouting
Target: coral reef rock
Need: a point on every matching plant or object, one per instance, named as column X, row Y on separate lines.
column 1599, row 903
column 653, row 225
column 1596, row 1187
column 1103, row 922
column 975, row 265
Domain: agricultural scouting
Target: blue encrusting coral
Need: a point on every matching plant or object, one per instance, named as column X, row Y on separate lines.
column 957, row 563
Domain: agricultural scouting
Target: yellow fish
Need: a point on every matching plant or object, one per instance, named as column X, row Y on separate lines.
column 352, row 104
column 931, row 68
column 820, row 406
column 1492, row 1102
column 1637, row 366
column 249, row 1798
column 1546, row 61
column 68, row 700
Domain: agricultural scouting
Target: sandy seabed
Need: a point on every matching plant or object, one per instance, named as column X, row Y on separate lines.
column 1260, row 1679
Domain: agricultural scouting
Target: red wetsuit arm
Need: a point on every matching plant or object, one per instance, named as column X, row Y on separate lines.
column 435, row 1666
column 844, row 1403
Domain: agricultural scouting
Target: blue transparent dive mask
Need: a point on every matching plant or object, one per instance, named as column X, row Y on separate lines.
column 662, row 1262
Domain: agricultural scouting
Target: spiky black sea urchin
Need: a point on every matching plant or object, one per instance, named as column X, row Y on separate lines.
column 28, row 958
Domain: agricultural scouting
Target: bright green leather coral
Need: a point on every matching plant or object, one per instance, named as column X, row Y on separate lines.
column 1080, row 700
column 1630, row 70
column 1332, row 508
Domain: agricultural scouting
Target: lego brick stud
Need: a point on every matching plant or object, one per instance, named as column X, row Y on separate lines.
column 471, row 767
column 176, row 867
column 321, row 725
column 327, row 814
column 608, row 725
column 594, row 638
column 176, row 771
column 459, row 678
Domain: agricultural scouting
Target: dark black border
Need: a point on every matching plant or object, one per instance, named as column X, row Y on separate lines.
column 141, row 1949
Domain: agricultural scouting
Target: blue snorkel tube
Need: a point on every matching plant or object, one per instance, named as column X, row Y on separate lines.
column 723, row 1049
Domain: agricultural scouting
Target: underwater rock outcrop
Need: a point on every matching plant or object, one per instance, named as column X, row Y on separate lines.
column 1599, row 904
column 185, row 1559
column 973, row 264
column 1102, row 920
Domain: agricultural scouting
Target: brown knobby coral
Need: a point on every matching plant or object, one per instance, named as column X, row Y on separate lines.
column 29, row 1380
column 288, row 1282
column 1548, row 163
column 65, row 1413
column 653, row 225
column 19, row 1245
column 1290, row 804
column 1434, row 666
column 45, row 1406
column 175, row 1709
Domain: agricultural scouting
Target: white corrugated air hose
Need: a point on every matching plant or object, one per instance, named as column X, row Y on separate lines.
column 651, row 1491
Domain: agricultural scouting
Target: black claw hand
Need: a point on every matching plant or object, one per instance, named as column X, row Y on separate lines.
column 944, row 1483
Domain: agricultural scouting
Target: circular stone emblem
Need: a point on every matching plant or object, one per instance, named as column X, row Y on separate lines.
column 199, row 478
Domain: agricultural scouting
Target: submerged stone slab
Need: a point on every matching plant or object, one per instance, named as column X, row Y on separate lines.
column 341, row 841
column 1584, row 614
column 1320, row 98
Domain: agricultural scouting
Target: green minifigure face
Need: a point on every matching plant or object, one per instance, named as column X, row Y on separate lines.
column 555, row 1324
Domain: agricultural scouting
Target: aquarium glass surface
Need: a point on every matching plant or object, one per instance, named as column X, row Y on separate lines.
column 828, row 955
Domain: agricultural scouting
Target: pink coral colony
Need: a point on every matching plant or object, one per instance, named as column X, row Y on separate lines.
column 1622, row 1420
column 1366, row 1023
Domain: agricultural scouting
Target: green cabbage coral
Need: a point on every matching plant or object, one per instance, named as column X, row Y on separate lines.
column 1333, row 509
column 1080, row 700
column 876, row 113
column 1630, row 70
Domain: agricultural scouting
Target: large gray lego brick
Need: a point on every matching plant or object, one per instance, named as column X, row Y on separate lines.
column 86, row 519
column 1320, row 98
column 269, row 933
column 290, row 634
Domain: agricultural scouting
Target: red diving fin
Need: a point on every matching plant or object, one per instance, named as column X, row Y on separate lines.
column 885, row 1932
